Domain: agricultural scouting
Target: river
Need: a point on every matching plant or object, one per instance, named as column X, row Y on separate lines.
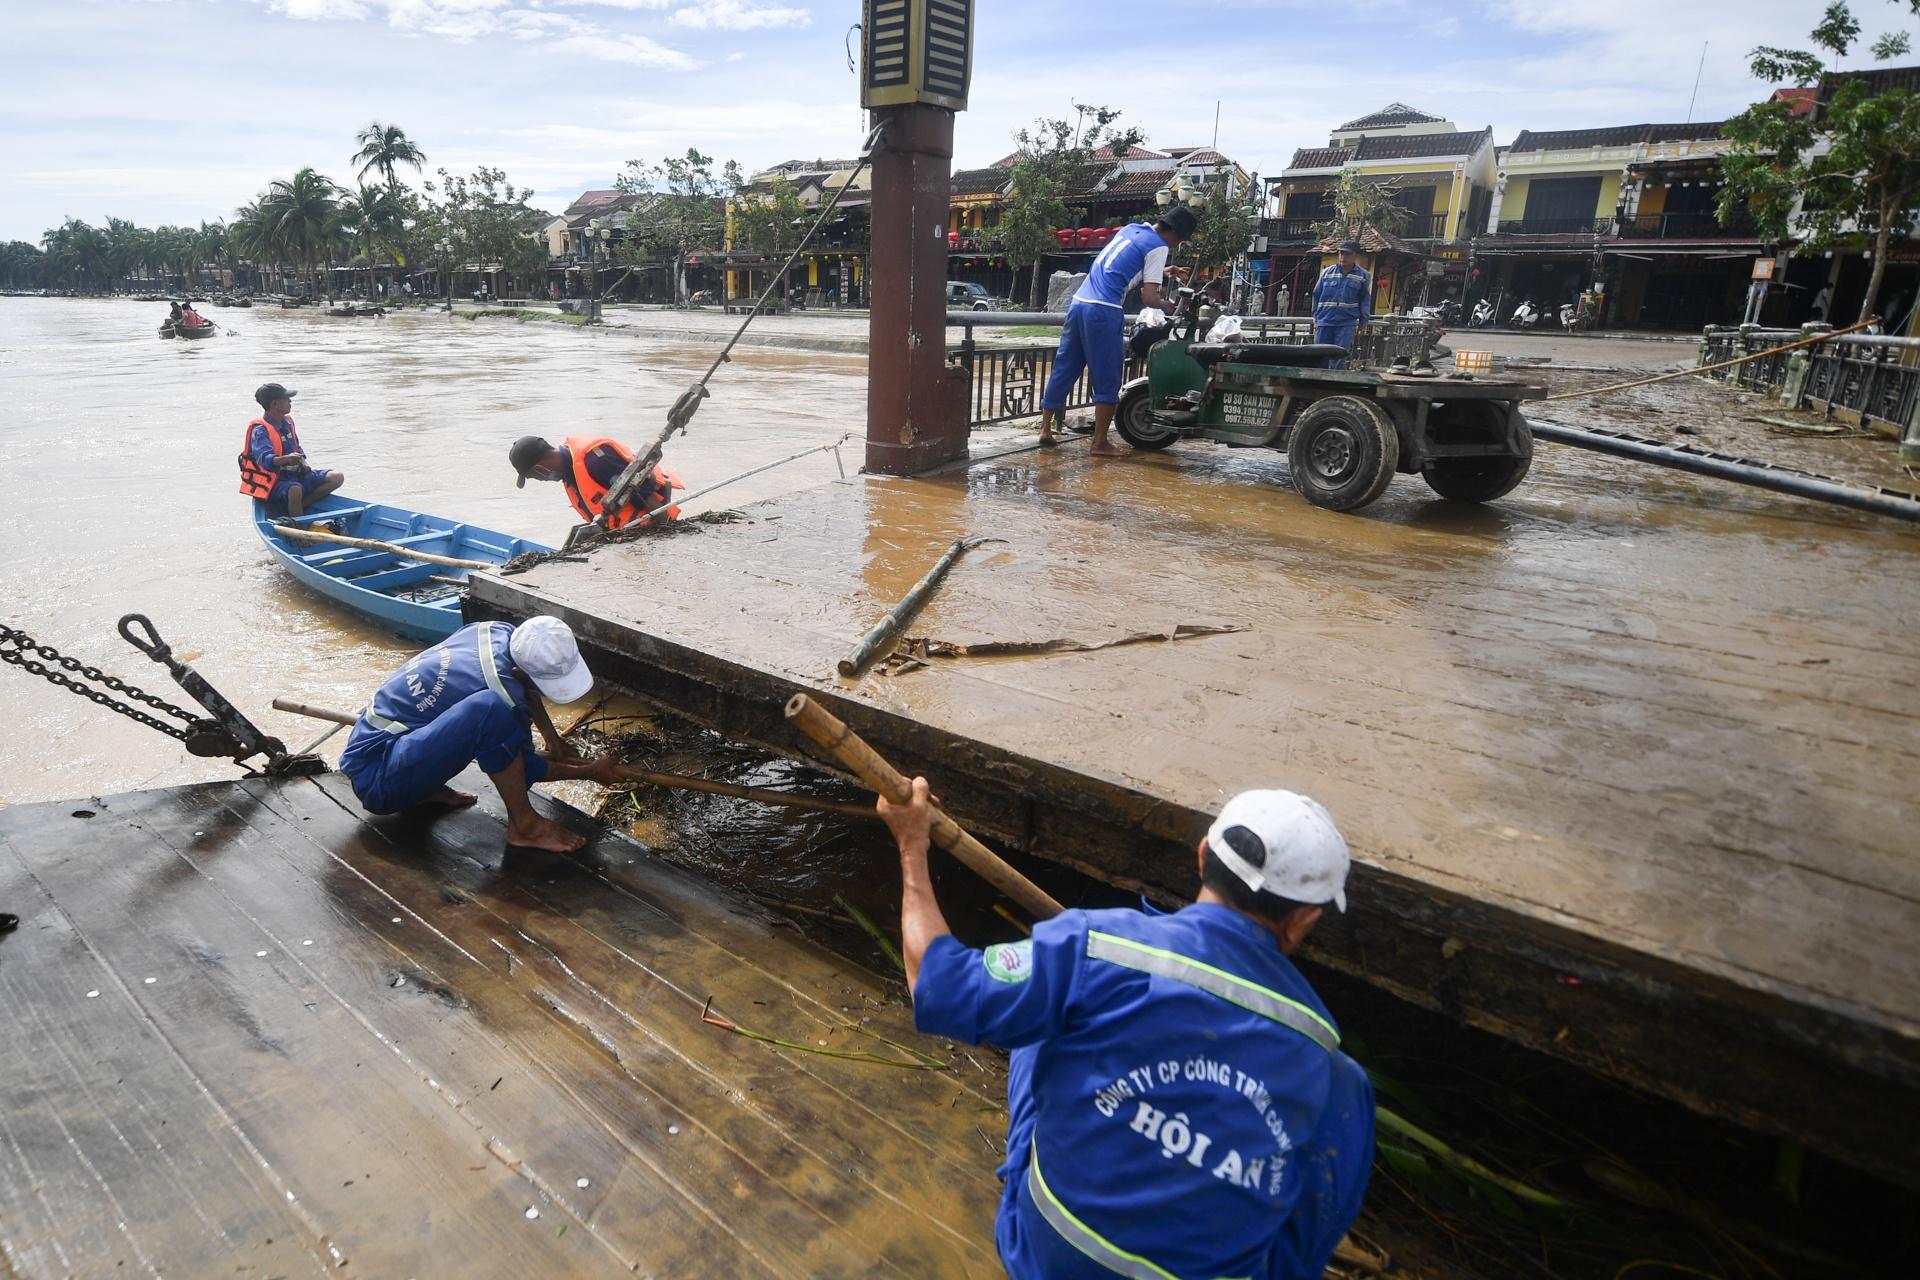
column 118, row 489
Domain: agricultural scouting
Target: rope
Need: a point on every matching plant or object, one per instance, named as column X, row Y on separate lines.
column 1709, row 368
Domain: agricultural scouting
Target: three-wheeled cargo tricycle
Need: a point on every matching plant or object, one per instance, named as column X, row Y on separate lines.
column 1345, row 431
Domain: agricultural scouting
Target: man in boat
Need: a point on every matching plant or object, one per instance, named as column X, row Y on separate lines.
column 476, row 696
column 587, row 466
column 273, row 466
column 189, row 318
column 1093, row 333
column 1178, row 1102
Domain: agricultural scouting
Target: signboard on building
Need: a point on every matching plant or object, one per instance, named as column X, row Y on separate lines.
column 1763, row 268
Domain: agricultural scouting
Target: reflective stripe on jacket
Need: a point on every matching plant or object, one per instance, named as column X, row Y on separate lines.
column 1343, row 297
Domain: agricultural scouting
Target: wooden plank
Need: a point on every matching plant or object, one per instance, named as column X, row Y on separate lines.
column 386, row 1172
column 632, row 977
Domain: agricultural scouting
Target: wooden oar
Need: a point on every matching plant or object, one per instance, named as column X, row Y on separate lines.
column 631, row 773
column 315, row 535
column 849, row 749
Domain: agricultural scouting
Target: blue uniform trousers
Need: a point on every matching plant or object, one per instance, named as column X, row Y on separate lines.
column 1332, row 1185
column 1093, row 338
column 406, row 768
column 1337, row 333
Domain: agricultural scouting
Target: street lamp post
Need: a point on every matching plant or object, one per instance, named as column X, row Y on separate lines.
column 446, row 270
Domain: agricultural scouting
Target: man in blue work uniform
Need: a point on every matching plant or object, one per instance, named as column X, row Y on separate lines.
column 1342, row 300
column 1178, row 1102
column 476, row 696
column 1093, row 334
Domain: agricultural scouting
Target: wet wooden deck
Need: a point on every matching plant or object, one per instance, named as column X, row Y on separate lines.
column 249, row 1032
column 1626, row 759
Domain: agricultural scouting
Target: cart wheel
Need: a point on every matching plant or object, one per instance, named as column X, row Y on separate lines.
column 1134, row 419
column 1343, row 452
column 1475, row 479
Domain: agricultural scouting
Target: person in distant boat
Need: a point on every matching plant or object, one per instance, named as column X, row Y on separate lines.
column 189, row 318
column 588, row 466
column 273, row 466
column 476, row 696
column 173, row 314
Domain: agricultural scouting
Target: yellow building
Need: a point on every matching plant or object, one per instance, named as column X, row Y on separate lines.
column 1441, row 176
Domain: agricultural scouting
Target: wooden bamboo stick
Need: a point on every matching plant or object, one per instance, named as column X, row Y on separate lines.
column 849, row 749
column 1709, row 368
column 315, row 535
column 897, row 617
column 312, row 712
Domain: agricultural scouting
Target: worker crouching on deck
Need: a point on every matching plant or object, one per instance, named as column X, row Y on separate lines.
column 588, row 466
column 475, row 696
column 1178, row 1102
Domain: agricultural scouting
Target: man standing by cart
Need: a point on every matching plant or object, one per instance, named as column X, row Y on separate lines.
column 1342, row 301
column 1093, row 336
column 1178, row 1104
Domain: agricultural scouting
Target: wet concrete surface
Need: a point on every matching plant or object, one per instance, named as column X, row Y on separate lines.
column 1657, row 721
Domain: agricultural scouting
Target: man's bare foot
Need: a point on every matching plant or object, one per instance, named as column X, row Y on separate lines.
column 1105, row 451
column 450, row 798
column 543, row 833
column 1048, row 440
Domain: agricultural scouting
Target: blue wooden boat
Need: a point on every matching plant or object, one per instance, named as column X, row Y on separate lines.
column 413, row 597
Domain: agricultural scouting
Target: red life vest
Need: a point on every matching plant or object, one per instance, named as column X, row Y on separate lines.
column 586, row 493
column 256, row 481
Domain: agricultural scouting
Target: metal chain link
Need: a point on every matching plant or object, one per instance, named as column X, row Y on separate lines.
column 15, row 644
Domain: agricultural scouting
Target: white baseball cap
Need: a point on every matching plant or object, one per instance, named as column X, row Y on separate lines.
column 1305, row 855
column 545, row 649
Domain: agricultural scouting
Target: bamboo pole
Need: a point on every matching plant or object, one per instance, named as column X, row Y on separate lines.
column 314, row 535
column 849, row 749
column 910, row 604
column 1709, row 368
column 631, row 773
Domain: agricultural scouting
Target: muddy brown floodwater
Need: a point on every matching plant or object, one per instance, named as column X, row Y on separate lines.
column 118, row 490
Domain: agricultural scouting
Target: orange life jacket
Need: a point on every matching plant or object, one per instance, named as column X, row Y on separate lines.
column 586, row 493
column 256, row 481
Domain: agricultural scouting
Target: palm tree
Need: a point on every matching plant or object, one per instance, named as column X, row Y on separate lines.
column 304, row 218
column 386, row 147
column 373, row 215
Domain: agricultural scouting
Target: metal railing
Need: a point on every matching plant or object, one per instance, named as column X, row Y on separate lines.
column 1288, row 228
column 1005, row 382
column 1862, row 378
column 1556, row 227
column 1424, row 226
column 1682, row 226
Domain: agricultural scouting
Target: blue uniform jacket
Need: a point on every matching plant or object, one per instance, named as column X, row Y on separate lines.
column 1164, row 1118
column 472, row 660
column 1343, row 297
column 260, row 449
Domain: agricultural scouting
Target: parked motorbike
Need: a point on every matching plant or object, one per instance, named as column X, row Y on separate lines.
column 1569, row 317
column 1445, row 312
column 1482, row 314
column 1525, row 316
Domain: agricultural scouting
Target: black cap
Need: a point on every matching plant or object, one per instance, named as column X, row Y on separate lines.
column 273, row 391
column 1180, row 221
column 527, row 453
column 1350, row 246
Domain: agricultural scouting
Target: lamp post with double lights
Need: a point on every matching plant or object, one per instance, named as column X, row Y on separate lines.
column 446, row 270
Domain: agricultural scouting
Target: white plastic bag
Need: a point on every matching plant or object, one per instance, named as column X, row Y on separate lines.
column 1149, row 318
column 1225, row 329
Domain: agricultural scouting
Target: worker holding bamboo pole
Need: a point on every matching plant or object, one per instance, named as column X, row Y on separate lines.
column 1178, row 1104
column 476, row 696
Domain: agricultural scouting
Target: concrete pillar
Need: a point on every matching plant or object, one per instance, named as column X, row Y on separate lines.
column 916, row 406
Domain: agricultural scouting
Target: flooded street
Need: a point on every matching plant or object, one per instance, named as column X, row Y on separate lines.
column 118, row 489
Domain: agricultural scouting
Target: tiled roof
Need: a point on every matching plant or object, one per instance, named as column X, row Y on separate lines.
column 1135, row 183
column 1394, row 113
column 969, row 182
column 1200, row 155
column 1422, row 144
column 1878, row 80
column 1373, row 240
column 1320, row 157
column 1624, row 135
column 1134, row 152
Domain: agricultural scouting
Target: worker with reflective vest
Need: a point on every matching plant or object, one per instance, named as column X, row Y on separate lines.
column 1342, row 300
column 588, row 466
column 1178, row 1102
column 476, row 697
column 273, row 466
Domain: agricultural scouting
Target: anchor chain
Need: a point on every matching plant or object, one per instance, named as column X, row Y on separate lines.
column 16, row 645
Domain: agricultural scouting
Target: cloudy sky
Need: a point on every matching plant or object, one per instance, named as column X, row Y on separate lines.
column 178, row 110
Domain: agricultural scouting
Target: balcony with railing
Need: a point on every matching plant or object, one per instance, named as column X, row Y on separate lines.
column 1424, row 226
column 1536, row 226
column 1292, row 229
column 1684, row 226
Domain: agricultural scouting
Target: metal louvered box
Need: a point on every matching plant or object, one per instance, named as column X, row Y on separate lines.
column 916, row 51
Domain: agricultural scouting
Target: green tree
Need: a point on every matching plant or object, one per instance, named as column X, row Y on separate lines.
column 303, row 213
column 22, row 266
column 1357, row 203
column 488, row 222
column 770, row 221
column 686, row 212
column 1845, row 174
column 1228, row 217
column 384, row 148
column 1050, row 157
column 373, row 216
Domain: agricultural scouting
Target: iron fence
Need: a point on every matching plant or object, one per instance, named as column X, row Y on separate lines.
column 1683, row 226
column 1556, row 227
column 1867, row 378
column 1005, row 382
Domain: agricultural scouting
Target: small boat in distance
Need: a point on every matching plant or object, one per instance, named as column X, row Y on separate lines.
column 417, row 598
column 168, row 329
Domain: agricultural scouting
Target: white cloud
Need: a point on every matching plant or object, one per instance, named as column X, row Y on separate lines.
column 320, row 10
column 738, row 15
column 613, row 46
